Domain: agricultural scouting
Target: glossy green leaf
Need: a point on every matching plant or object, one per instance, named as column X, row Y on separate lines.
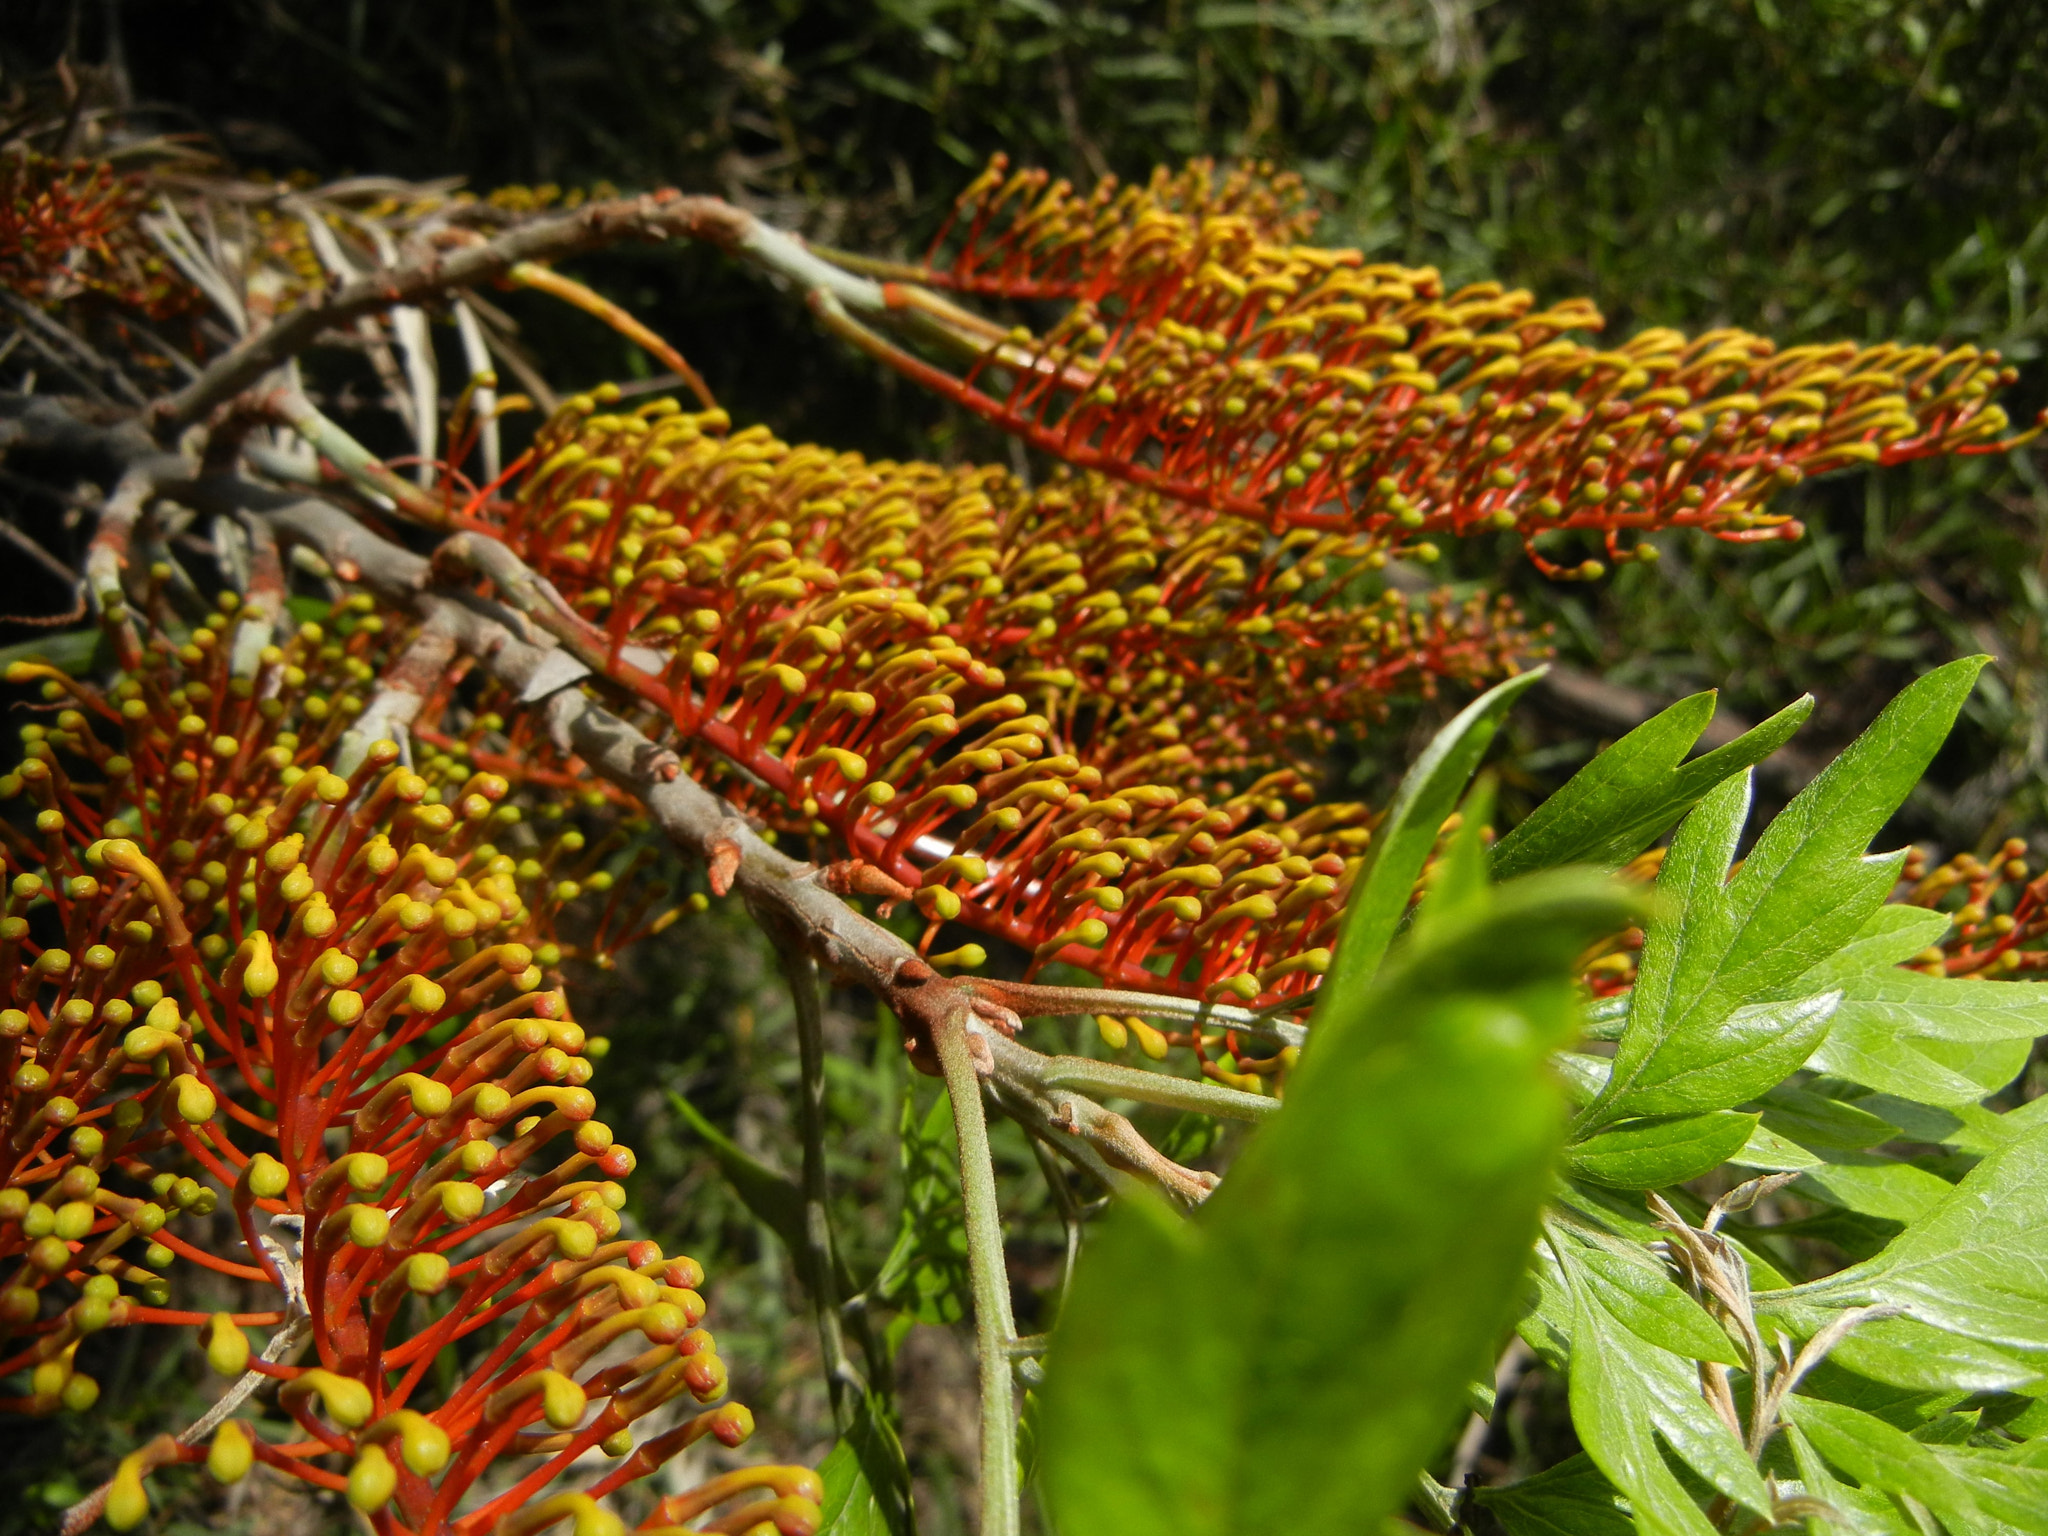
column 1572, row 1498
column 1873, row 1185
column 1905, row 1352
column 1636, row 1288
column 2009, row 1485
column 1861, row 1511
column 1656, row 1152
column 1945, row 1041
column 1944, row 1073
column 1976, row 1263
column 1638, row 789
column 867, row 1481
column 1368, row 1242
column 1881, row 1457
column 1623, row 1392
column 1817, row 1121
column 1749, row 1052
column 1806, row 889
column 1402, row 842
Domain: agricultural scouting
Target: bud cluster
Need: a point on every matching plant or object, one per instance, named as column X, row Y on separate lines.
column 320, row 1004
column 2002, row 911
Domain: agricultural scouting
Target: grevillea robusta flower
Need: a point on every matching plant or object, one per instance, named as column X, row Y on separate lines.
column 1210, row 355
column 68, row 229
column 297, row 1028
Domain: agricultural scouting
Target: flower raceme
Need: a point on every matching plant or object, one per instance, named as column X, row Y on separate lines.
column 317, row 1007
column 68, row 229
column 1081, row 718
column 1208, row 354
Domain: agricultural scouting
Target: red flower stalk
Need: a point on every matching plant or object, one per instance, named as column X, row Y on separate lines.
column 68, row 229
column 319, row 1000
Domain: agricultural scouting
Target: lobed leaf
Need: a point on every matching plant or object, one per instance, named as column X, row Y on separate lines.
column 1807, row 889
column 1369, row 1240
column 1638, row 789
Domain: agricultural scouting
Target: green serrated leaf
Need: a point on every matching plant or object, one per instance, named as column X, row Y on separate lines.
column 1638, row 789
column 1873, row 1185
column 1371, row 1236
column 1572, row 1498
column 1752, row 1050
column 1894, row 933
column 1941, row 1073
column 1816, row 1121
column 1945, row 1041
column 1858, row 1511
column 2009, row 1485
column 1656, row 1152
column 1807, row 889
column 1905, row 1352
column 1402, row 843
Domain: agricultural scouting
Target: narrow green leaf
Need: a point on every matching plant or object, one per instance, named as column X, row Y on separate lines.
column 1401, row 844
column 1613, row 1412
column 1636, row 1289
column 1570, row 1499
column 1807, row 889
column 74, row 652
column 1816, row 1121
column 1873, row 1185
column 773, row 1197
column 1945, row 1041
column 1861, row 1511
column 1879, row 1456
column 867, row 1480
column 926, row 1270
column 1639, row 1390
column 1975, row 1264
column 1749, row 1052
column 1665, row 1150
column 1892, row 934
column 1638, row 789
column 1942, row 1073
column 1458, row 884
column 2009, row 1485
column 1369, row 1238
column 1905, row 1352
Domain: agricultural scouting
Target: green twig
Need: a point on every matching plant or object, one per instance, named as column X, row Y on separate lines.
column 820, row 1276
column 994, row 1330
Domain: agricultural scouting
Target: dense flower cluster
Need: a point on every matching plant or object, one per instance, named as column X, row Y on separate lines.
column 2000, row 920
column 297, row 1027
column 68, row 229
column 1080, row 718
column 1209, row 355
